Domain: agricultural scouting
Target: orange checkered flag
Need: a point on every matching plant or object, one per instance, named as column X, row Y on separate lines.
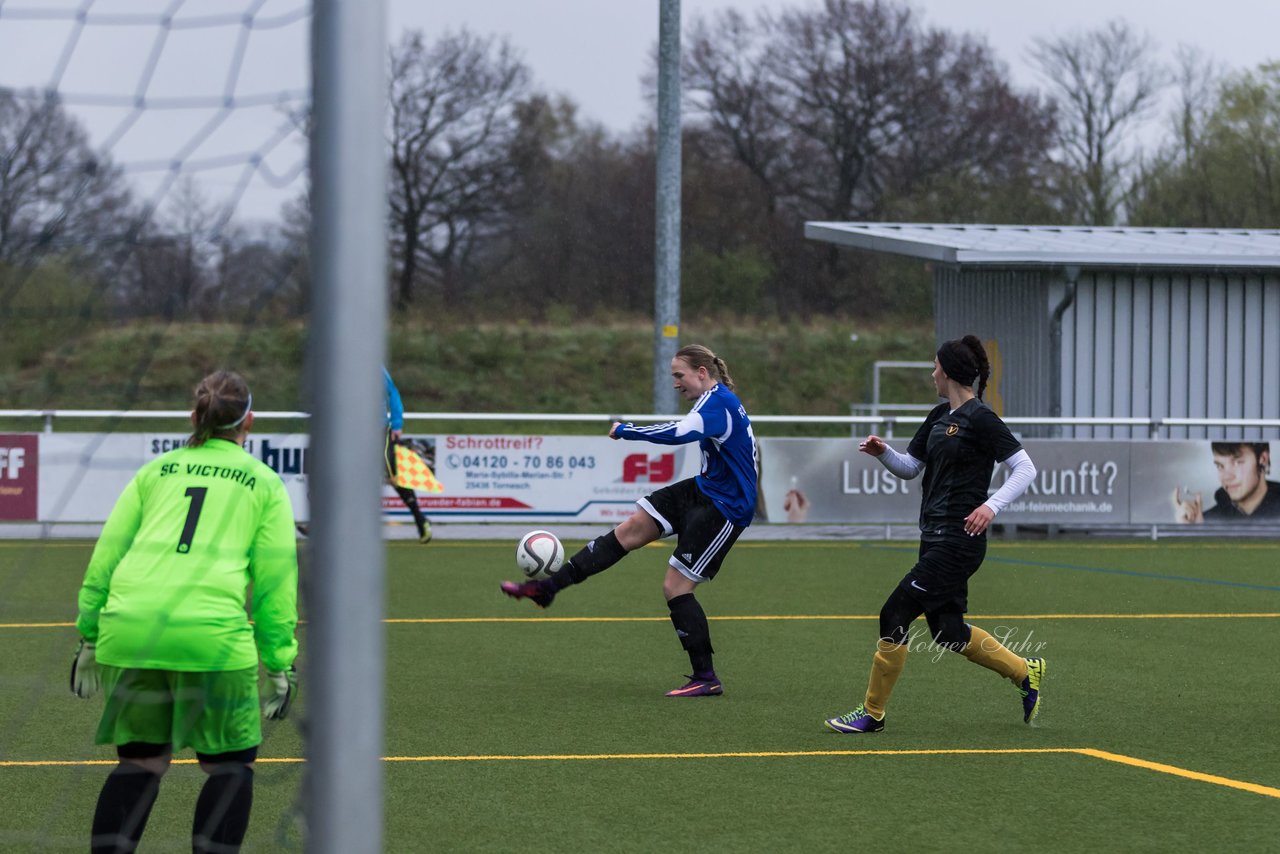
column 412, row 472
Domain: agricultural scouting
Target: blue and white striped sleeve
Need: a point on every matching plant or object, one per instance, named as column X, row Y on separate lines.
column 687, row 429
column 702, row 421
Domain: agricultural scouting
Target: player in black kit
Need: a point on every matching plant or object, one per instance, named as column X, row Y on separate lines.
column 957, row 447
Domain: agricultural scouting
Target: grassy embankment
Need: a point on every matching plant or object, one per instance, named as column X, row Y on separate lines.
column 780, row 368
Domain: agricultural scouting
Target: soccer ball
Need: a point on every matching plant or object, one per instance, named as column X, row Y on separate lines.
column 539, row 554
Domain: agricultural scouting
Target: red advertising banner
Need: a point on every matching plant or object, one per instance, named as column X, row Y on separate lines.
column 458, row 502
column 19, row 476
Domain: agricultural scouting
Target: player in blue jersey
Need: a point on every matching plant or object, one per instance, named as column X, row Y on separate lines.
column 707, row 512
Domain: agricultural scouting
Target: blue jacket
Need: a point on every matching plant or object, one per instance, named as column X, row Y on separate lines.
column 395, row 407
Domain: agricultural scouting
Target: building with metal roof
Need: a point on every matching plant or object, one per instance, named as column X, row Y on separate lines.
column 1106, row 322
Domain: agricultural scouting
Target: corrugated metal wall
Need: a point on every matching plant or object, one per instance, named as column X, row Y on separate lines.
column 1005, row 307
column 1177, row 344
column 1136, row 344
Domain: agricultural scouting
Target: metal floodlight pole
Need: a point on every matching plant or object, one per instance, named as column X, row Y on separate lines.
column 667, row 251
column 344, row 644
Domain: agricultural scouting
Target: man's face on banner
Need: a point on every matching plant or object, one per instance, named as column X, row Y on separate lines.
column 1240, row 472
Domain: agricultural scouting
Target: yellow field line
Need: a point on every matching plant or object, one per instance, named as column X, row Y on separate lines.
column 36, row 625
column 811, row 617
column 1119, row 758
column 1200, row 547
column 759, row 617
column 771, row 544
column 1120, row 616
column 1162, row 545
column 752, row 754
column 1181, row 772
column 569, row 757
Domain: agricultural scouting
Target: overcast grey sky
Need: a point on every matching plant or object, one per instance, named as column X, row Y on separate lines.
column 594, row 51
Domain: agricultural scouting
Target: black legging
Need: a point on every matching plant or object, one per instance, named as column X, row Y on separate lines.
column 407, row 495
column 947, row 626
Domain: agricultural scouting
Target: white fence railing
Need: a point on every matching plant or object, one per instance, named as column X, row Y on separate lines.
column 885, row 423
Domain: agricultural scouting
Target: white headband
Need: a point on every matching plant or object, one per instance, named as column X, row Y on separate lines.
column 238, row 421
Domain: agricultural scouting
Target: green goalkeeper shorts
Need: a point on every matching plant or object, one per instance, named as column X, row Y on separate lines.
column 214, row 712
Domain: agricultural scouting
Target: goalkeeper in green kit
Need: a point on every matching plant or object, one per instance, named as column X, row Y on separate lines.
column 165, row 633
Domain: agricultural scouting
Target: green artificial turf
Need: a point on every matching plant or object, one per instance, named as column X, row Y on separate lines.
column 476, row 681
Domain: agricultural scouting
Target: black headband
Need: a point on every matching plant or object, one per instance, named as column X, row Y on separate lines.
column 957, row 362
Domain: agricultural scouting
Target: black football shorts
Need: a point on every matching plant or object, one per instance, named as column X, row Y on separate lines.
column 940, row 579
column 704, row 534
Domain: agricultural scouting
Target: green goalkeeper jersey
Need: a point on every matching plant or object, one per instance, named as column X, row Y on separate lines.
column 167, row 584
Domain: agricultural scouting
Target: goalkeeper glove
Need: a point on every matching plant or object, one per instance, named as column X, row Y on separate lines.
column 278, row 695
column 84, row 671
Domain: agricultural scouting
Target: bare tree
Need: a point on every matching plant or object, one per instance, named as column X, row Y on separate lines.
column 728, row 84
column 1223, row 170
column 1198, row 80
column 1197, row 77
column 56, row 193
column 1105, row 82
column 255, row 277
column 166, row 266
column 294, row 249
column 453, row 122
column 854, row 109
column 840, row 109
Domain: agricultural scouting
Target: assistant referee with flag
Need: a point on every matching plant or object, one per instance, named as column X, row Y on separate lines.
column 164, row 629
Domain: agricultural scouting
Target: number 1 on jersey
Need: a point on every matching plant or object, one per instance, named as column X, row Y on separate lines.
column 196, row 494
